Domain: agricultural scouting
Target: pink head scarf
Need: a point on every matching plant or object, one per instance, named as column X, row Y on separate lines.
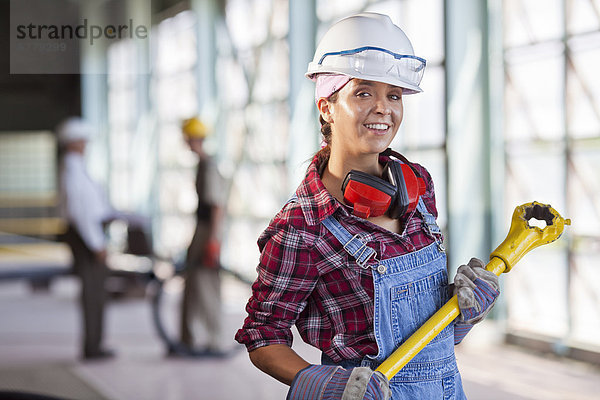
column 327, row 84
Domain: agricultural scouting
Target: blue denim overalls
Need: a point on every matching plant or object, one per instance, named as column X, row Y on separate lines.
column 408, row 290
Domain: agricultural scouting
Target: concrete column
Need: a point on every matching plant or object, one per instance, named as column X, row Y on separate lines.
column 496, row 121
column 304, row 128
column 469, row 162
column 94, row 94
column 144, row 155
column 207, row 15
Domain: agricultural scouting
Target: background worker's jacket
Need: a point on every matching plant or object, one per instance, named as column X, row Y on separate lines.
column 83, row 202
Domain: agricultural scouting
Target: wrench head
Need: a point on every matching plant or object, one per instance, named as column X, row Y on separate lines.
column 523, row 237
column 540, row 212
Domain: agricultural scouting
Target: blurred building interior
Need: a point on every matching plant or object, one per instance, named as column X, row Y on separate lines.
column 510, row 114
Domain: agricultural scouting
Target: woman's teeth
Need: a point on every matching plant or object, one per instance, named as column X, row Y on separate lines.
column 377, row 126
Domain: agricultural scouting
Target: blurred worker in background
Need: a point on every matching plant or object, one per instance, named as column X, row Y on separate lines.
column 86, row 209
column 201, row 309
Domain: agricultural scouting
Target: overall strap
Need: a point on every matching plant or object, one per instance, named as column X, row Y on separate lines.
column 354, row 245
column 431, row 227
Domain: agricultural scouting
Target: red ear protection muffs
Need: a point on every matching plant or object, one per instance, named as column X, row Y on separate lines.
column 396, row 193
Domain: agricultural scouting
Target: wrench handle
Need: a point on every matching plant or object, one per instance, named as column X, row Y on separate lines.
column 429, row 330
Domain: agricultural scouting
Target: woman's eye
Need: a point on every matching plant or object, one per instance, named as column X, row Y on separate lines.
column 395, row 97
column 363, row 94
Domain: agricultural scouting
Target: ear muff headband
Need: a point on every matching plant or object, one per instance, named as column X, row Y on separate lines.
column 393, row 173
column 409, row 188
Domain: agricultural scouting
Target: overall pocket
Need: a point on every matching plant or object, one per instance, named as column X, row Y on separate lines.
column 413, row 303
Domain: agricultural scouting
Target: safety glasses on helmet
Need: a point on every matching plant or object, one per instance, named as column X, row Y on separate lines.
column 376, row 62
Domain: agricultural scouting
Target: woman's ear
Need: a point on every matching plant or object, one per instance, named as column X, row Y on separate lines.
column 325, row 109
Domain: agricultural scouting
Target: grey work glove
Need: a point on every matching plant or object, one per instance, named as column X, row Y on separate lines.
column 364, row 383
column 331, row 382
column 477, row 290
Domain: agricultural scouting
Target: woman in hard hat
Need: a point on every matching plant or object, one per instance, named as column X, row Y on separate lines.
column 355, row 259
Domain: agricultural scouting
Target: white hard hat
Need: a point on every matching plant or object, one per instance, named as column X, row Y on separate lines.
column 369, row 46
column 73, row 129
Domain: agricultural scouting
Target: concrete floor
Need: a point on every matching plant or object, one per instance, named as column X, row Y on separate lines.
column 39, row 353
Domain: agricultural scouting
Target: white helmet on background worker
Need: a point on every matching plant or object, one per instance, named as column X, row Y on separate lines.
column 73, row 129
column 369, row 46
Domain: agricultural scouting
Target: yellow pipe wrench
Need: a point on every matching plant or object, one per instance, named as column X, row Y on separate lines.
column 521, row 238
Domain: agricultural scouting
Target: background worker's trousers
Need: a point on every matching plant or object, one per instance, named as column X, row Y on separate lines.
column 92, row 274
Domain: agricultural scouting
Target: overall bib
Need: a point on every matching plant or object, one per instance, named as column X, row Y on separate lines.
column 408, row 290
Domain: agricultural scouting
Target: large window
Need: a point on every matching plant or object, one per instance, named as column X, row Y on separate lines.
column 151, row 170
column 173, row 96
column 253, row 85
column 552, row 148
column 28, row 184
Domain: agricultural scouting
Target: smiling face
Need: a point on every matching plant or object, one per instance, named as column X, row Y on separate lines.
column 364, row 118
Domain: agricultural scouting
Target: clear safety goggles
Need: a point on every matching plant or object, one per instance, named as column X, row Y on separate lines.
column 376, row 62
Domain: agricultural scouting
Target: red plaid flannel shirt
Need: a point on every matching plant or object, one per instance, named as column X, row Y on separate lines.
column 306, row 278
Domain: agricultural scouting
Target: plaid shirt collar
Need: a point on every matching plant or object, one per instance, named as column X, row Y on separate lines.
column 315, row 200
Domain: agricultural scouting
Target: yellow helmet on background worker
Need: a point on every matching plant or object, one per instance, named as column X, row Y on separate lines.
column 193, row 128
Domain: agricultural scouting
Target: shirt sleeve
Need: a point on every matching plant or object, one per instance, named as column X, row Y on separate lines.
column 460, row 331
column 286, row 278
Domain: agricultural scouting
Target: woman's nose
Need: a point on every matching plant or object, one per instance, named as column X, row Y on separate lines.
column 382, row 107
